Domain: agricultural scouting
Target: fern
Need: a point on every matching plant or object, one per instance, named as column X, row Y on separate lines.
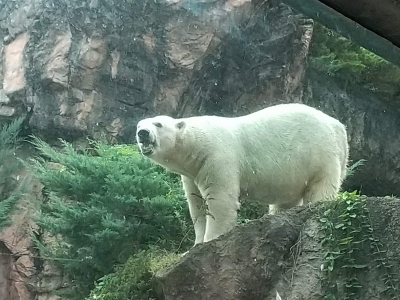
column 352, row 169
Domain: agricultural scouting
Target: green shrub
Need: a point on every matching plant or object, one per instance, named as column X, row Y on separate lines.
column 351, row 170
column 134, row 279
column 347, row 234
column 9, row 143
column 337, row 56
column 250, row 210
column 105, row 208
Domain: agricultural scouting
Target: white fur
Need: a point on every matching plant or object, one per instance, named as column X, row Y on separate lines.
column 278, row 297
column 283, row 156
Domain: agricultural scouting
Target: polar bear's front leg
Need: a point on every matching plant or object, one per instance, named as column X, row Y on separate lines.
column 197, row 208
column 223, row 205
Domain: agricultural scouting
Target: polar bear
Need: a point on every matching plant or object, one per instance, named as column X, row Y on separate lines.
column 282, row 156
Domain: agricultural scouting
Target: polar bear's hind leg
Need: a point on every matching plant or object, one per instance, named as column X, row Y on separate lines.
column 277, row 208
column 326, row 187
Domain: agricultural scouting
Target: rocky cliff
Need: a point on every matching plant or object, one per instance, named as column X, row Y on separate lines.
column 372, row 122
column 24, row 275
column 96, row 67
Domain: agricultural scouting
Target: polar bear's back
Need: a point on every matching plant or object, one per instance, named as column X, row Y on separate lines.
column 285, row 147
column 288, row 111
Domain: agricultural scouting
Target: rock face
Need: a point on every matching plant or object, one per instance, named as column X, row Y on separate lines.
column 276, row 253
column 24, row 274
column 243, row 264
column 372, row 126
column 96, row 67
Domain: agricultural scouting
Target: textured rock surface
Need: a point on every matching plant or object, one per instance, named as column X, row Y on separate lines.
column 372, row 126
column 24, row 275
column 243, row 264
column 96, row 67
column 276, row 253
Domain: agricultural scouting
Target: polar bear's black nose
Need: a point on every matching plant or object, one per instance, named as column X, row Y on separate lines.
column 143, row 134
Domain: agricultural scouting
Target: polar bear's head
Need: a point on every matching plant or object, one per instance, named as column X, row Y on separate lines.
column 157, row 136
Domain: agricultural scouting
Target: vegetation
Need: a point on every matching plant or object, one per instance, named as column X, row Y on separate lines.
column 107, row 206
column 115, row 218
column 9, row 143
column 250, row 211
column 352, row 168
column 102, row 209
column 134, row 279
column 347, row 236
column 337, row 56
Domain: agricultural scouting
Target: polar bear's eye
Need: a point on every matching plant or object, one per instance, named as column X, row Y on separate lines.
column 157, row 124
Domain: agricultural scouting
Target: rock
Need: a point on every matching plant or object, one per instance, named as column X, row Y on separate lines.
column 115, row 57
column 280, row 253
column 249, row 70
column 188, row 46
column 92, row 55
column 372, row 126
column 24, row 266
column 7, row 111
column 21, row 275
column 7, row 286
column 14, row 64
column 84, row 65
column 57, row 68
column 243, row 264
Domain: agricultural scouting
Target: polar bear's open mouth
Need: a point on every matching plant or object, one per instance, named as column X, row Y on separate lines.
column 146, row 141
column 147, row 149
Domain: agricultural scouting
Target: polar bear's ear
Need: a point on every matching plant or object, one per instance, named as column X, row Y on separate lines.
column 180, row 125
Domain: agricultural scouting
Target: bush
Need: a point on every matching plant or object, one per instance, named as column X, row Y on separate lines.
column 347, row 236
column 337, row 56
column 105, row 208
column 251, row 210
column 109, row 206
column 134, row 279
column 9, row 143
